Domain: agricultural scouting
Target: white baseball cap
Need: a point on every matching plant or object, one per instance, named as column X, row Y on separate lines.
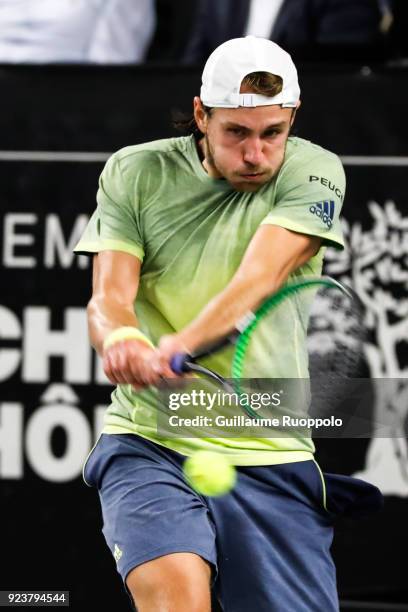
column 229, row 63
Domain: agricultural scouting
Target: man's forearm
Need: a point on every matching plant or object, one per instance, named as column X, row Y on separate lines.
column 220, row 316
column 106, row 315
column 271, row 256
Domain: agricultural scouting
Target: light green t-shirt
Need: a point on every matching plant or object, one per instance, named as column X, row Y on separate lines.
column 156, row 202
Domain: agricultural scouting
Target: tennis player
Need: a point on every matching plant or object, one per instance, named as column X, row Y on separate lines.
column 189, row 234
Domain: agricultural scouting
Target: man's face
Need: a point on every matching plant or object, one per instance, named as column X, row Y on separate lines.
column 246, row 146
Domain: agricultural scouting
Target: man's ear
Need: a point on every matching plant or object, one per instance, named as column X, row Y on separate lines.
column 200, row 116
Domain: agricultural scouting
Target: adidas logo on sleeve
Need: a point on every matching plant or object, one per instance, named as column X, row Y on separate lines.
column 325, row 211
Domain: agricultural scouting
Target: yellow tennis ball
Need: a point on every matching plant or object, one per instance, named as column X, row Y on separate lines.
column 210, row 473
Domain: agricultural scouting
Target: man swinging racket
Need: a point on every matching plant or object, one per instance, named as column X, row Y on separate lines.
column 189, row 234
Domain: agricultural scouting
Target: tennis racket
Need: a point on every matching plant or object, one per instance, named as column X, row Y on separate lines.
column 329, row 334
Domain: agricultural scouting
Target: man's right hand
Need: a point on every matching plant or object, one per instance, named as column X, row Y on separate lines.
column 115, row 285
column 131, row 362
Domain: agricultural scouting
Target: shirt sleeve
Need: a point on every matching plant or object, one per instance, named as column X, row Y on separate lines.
column 114, row 225
column 309, row 198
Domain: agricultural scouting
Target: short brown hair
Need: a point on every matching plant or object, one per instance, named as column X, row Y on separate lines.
column 263, row 83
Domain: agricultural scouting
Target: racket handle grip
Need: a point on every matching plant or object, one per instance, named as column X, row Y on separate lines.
column 178, row 363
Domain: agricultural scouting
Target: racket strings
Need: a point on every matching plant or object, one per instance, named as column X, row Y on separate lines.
column 331, row 324
column 336, row 335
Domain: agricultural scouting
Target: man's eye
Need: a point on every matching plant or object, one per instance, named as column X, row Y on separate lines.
column 271, row 133
column 235, row 131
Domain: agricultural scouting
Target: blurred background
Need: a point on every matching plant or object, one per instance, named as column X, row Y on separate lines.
column 82, row 78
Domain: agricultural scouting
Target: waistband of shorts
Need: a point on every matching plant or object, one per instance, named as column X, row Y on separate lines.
column 244, row 459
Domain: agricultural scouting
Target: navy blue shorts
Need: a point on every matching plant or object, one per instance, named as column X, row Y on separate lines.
column 268, row 540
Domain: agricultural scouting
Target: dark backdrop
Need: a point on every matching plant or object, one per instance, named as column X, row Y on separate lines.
column 57, row 125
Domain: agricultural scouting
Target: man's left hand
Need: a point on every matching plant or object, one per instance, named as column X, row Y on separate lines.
column 168, row 346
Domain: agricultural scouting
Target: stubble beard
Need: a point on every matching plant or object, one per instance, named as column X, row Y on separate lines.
column 209, row 157
column 238, row 185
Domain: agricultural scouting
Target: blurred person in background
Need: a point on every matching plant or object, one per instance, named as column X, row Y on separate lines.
column 76, row 31
column 344, row 29
column 174, row 22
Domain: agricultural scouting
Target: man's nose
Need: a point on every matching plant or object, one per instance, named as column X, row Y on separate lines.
column 253, row 151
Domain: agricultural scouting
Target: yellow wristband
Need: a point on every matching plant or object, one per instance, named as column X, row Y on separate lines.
column 125, row 333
